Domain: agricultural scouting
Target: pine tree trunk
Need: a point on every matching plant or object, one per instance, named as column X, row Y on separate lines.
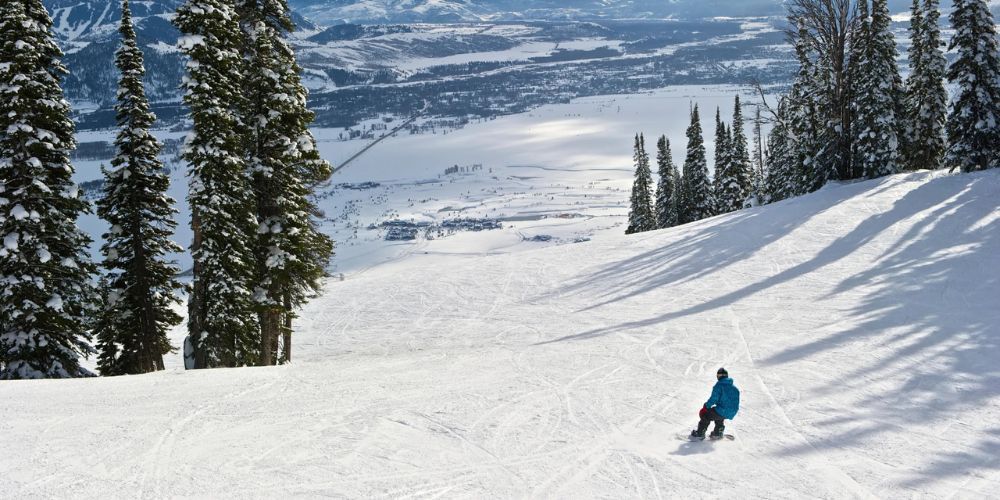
column 148, row 352
column 196, row 302
column 270, row 331
column 286, row 353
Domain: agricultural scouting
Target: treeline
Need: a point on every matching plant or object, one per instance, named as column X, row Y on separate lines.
column 849, row 114
column 688, row 195
column 258, row 254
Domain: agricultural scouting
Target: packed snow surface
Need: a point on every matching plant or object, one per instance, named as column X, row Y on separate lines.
column 861, row 324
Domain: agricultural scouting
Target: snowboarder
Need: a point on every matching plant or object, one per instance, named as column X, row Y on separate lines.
column 722, row 405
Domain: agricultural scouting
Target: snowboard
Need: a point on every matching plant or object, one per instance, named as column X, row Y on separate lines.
column 689, row 437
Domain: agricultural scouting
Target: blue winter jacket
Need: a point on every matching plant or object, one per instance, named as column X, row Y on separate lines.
column 725, row 398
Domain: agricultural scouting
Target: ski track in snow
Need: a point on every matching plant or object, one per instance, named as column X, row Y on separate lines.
column 860, row 323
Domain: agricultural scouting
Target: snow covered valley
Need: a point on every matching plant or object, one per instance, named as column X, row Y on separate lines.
column 558, row 174
column 861, row 323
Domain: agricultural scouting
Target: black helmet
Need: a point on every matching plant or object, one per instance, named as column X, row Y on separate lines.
column 722, row 373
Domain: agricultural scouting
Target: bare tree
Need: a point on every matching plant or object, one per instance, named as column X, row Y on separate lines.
column 830, row 26
column 758, row 89
column 758, row 152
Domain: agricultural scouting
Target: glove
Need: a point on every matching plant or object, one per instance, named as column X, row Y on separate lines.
column 702, row 412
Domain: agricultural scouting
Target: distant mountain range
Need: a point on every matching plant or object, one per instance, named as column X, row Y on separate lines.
column 373, row 11
column 78, row 22
column 87, row 30
column 88, row 33
column 410, row 11
column 90, row 20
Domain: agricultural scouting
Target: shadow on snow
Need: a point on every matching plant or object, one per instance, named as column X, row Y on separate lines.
column 935, row 288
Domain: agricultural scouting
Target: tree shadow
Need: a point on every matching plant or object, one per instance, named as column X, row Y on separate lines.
column 707, row 247
column 929, row 303
column 985, row 453
column 936, row 290
column 714, row 248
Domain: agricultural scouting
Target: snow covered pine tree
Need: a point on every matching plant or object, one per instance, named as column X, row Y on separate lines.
column 723, row 165
column 666, row 189
column 699, row 200
column 677, row 201
column 284, row 164
column 733, row 184
column 926, row 98
column 876, row 125
column 223, row 330
column 974, row 120
column 640, row 216
column 682, row 199
column 804, row 121
column 140, row 286
column 45, row 273
column 782, row 167
column 740, row 157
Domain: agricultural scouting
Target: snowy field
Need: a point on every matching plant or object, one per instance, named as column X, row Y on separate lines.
column 860, row 322
column 561, row 173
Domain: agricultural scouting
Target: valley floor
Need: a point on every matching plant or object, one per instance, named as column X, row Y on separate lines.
column 860, row 322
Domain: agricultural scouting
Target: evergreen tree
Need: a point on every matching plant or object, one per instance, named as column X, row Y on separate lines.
column 683, row 196
column 666, row 201
column 927, row 98
column 679, row 203
column 733, row 187
column 860, row 39
column 804, row 122
column 974, row 119
column 782, row 159
column 741, row 154
column 916, row 35
column 222, row 325
column 876, row 125
column 45, row 272
column 698, row 187
column 829, row 156
column 284, row 163
column 861, row 42
column 723, row 163
column 641, row 217
column 898, row 93
column 908, row 125
column 140, row 286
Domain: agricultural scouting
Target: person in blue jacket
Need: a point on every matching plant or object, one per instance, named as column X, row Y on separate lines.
column 723, row 405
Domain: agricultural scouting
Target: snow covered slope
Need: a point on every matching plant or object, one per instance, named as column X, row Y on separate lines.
column 860, row 322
